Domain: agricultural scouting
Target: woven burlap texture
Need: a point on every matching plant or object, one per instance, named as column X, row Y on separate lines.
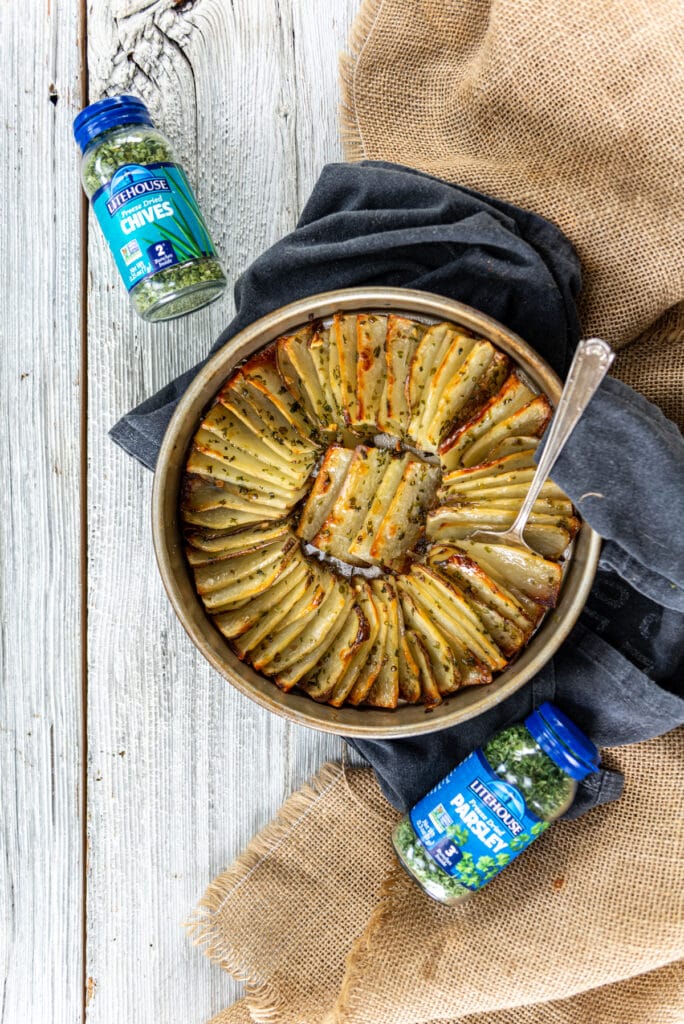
column 586, row 928
column 575, row 111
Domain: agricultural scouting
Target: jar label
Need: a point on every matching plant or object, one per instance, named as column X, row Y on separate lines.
column 151, row 220
column 473, row 823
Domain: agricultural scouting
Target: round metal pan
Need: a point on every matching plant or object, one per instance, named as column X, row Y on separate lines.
column 405, row 720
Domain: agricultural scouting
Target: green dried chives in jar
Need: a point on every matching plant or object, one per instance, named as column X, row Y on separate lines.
column 494, row 804
column 147, row 210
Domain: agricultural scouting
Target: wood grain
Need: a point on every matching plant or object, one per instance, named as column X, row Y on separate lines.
column 182, row 769
column 40, row 651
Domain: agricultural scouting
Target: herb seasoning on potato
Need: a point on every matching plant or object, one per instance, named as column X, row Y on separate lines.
column 147, row 210
column 494, row 804
column 289, row 487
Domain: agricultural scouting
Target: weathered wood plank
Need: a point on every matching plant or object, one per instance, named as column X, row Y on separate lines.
column 183, row 770
column 40, row 688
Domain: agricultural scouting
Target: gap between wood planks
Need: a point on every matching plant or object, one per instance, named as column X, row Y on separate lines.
column 86, row 983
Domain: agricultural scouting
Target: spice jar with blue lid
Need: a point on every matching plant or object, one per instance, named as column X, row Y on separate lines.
column 494, row 804
column 147, row 210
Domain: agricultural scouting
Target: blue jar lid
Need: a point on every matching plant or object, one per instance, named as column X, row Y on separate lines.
column 111, row 112
column 565, row 744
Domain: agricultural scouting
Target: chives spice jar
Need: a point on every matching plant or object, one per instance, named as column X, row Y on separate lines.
column 147, row 210
column 494, row 804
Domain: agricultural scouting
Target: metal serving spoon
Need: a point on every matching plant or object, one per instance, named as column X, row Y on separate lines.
column 590, row 365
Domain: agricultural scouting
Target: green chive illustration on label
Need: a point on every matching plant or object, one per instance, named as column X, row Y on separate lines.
column 151, row 220
column 147, row 211
column 494, row 804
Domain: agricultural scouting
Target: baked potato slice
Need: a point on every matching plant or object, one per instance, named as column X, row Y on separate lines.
column 360, row 547
column 508, row 498
column 445, row 371
column 514, row 446
column 517, row 462
column 335, row 376
column 548, row 535
column 508, row 637
column 326, row 487
column 371, row 330
column 488, row 385
column 260, row 373
column 532, row 418
column 280, row 420
column 241, row 468
column 249, row 585
column 292, row 606
column 321, row 681
column 404, row 522
column 218, row 575
column 298, row 371
column 384, row 693
column 556, row 508
column 428, row 355
column 518, row 570
column 216, row 542
column 288, row 677
column 319, row 351
column 474, row 582
column 420, row 661
column 513, row 395
column 472, row 671
column 457, row 380
column 337, row 601
column 403, row 338
column 409, row 672
column 239, row 437
column 358, row 667
column 377, row 653
column 242, row 491
column 205, row 546
column 263, row 419
column 263, row 656
column 343, row 336
column 351, row 505
column 505, row 633
column 201, row 493
column 440, row 654
column 227, row 519
column 514, row 484
column 236, row 622
column 448, row 358
column 457, row 619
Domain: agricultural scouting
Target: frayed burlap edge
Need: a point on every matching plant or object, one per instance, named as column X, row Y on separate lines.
column 363, row 944
column 359, row 36
column 261, row 998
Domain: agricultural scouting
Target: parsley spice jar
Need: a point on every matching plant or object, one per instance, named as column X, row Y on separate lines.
column 494, row 804
column 147, row 210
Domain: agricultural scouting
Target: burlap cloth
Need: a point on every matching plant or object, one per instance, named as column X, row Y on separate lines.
column 575, row 111
column 586, row 927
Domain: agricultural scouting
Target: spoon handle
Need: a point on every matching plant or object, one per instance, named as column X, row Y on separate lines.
column 589, row 366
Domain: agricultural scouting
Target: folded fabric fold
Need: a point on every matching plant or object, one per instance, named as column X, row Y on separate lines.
column 624, row 470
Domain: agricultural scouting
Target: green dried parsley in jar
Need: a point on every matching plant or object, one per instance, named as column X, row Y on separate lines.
column 147, row 210
column 494, row 804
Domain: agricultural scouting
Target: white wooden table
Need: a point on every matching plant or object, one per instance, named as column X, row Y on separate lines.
column 130, row 773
